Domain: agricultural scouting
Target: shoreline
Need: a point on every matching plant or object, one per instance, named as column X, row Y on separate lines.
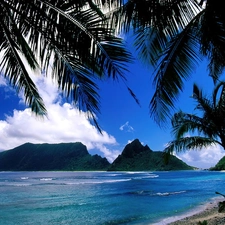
column 206, row 212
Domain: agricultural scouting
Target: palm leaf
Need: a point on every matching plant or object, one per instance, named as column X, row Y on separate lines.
column 219, row 97
column 183, row 123
column 168, row 16
column 188, row 143
column 166, row 34
column 210, row 125
column 212, row 37
column 149, row 43
column 177, row 62
column 14, row 68
column 73, row 38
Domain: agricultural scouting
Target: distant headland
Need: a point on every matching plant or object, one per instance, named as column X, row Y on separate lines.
column 75, row 157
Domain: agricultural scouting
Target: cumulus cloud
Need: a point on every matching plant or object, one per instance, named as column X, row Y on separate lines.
column 201, row 158
column 126, row 127
column 64, row 123
column 204, row 158
column 111, row 155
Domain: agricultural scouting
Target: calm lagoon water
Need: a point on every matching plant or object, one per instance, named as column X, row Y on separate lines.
column 103, row 198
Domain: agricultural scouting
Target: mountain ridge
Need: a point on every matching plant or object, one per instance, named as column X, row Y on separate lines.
column 75, row 157
column 63, row 156
column 220, row 166
column 136, row 157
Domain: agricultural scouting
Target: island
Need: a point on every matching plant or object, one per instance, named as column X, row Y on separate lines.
column 75, row 157
column 136, row 157
column 51, row 157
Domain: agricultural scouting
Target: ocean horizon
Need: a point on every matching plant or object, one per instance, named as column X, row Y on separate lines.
column 105, row 198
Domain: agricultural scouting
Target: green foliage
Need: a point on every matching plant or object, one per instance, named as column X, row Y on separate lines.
column 136, row 157
column 202, row 223
column 221, row 204
column 44, row 157
column 174, row 37
column 220, row 165
column 80, row 40
column 70, row 39
column 75, row 157
column 209, row 126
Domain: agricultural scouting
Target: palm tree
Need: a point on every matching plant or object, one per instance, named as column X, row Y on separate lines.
column 209, row 125
column 76, row 39
column 174, row 36
column 72, row 38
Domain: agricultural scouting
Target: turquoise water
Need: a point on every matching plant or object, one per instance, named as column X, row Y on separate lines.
column 103, row 198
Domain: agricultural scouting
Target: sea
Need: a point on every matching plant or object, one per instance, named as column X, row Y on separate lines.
column 105, row 198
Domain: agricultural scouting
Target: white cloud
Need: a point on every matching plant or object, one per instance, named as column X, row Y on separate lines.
column 204, row 158
column 111, row 155
column 63, row 124
column 201, row 158
column 2, row 81
column 129, row 141
column 126, row 127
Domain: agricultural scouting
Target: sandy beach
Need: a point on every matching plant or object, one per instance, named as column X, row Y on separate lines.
column 208, row 213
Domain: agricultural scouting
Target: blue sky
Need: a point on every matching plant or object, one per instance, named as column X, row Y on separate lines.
column 121, row 119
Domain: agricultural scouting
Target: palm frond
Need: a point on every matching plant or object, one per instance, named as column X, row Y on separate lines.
column 219, row 97
column 72, row 37
column 197, row 92
column 14, row 68
column 108, row 49
column 165, row 33
column 149, row 43
column 134, row 96
column 183, row 123
column 168, row 16
column 211, row 121
column 188, row 143
column 203, row 103
column 212, row 37
column 175, row 67
column 77, row 82
column 213, row 114
column 210, row 125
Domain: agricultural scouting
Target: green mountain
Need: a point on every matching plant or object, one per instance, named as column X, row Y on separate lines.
column 220, row 165
column 44, row 157
column 75, row 157
column 136, row 157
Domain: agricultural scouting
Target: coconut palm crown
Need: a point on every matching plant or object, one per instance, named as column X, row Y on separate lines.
column 209, row 126
column 71, row 39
